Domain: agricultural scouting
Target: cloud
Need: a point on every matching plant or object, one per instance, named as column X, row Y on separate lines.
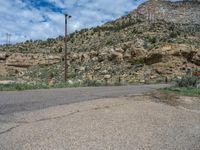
column 44, row 19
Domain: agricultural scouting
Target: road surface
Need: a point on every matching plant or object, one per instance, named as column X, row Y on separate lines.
column 90, row 118
column 11, row 102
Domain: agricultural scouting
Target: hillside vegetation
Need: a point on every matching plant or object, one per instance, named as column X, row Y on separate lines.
column 147, row 45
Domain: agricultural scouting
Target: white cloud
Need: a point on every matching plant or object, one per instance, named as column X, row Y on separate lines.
column 43, row 19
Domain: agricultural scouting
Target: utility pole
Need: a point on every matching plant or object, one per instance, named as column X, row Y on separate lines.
column 66, row 39
column 8, row 37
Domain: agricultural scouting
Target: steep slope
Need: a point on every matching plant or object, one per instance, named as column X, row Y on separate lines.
column 142, row 46
column 180, row 12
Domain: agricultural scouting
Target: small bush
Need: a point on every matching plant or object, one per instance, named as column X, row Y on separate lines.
column 183, row 91
column 22, row 86
column 173, row 34
column 153, row 40
column 187, row 81
column 91, row 83
column 138, row 61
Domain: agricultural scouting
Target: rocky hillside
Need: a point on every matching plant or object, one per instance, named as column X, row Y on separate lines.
column 179, row 12
column 151, row 44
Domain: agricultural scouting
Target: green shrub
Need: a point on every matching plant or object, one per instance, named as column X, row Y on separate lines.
column 22, row 86
column 153, row 40
column 91, row 83
column 138, row 61
column 186, row 91
column 173, row 34
column 187, row 81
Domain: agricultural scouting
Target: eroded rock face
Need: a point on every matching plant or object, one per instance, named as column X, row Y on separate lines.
column 182, row 50
column 3, row 71
column 12, row 64
column 27, row 60
column 126, row 62
column 183, row 12
column 174, row 50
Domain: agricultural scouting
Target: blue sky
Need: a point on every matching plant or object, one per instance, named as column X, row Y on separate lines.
column 41, row 19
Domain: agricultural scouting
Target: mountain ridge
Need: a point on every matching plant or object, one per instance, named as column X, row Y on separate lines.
column 180, row 12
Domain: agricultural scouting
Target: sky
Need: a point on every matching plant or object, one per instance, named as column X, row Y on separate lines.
column 42, row 19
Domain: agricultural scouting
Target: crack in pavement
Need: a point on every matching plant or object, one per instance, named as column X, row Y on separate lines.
column 20, row 123
column 129, row 97
column 67, row 115
column 9, row 130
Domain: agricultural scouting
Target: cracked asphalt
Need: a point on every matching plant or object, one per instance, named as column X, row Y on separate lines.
column 84, row 120
column 11, row 102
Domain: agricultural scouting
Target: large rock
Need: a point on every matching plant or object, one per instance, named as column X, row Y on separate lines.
column 196, row 58
column 116, row 56
column 153, row 58
column 164, row 71
column 137, row 52
column 3, row 56
column 102, row 56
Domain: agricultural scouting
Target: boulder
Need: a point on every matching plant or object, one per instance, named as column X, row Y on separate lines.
column 3, row 56
column 164, row 71
column 139, row 43
column 196, row 74
column 108, row 76
column 127, row 56
column 137, row 52
column 119, row 50
column 116, row 55
column 196, row 58
column 153, row 58
column 102, row 56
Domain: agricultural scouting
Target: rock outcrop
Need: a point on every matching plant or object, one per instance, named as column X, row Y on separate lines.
column 27, row 60
column 11, row 64
column 181, row 12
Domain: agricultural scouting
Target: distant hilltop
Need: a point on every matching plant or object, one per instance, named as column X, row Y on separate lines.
column 182, row 12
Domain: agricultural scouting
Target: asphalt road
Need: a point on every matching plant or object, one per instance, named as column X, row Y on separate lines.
column 123, row 123
column 11, row 102
column 100, row 118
